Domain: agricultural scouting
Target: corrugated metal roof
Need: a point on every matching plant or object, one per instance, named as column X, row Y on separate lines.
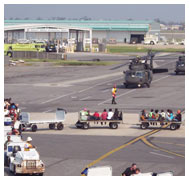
column 118, row 25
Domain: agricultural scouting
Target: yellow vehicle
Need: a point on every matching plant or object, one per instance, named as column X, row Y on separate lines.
column 9, row 48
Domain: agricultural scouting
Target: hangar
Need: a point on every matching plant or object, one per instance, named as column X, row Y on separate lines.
column 113, row 31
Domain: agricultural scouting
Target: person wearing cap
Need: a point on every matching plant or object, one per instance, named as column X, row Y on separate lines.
column 28, row 144
column 178, row 116
column 114, row 91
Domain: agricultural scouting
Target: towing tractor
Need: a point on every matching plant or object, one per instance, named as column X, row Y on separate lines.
column 26, row 162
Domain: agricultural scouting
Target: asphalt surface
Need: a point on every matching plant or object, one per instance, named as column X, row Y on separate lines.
column 67, row 155
column 43, row 88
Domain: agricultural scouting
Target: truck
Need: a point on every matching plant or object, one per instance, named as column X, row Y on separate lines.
column 26, row 162
column 150, row 39
column 9, row 48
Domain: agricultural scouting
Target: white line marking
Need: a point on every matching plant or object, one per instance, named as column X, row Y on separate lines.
column 117, row 96
column 57, row 98
column 48, row 111
column 106, row 90
column 160, row 78
column 85, row 98
column 162, row 155
column 98, row 85
column 132, row 90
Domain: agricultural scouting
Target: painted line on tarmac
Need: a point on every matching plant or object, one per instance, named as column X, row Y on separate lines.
column 161, row 149
column 125, row 145
column 47, row 111
column 59, row 97
column 85, row 98
column 132, row 90
column 183, row 145
column 171, row 157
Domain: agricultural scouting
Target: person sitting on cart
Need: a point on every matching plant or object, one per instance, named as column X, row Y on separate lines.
column 157, row 115
column 84, row 114
column 143, row 116
column 110, row 114
column 96, row 115
column 178, row 116
column 116, row 114
column 130, row 170
column 15, row 131
column 169, row 115
column 151, row 115
column 104, row 115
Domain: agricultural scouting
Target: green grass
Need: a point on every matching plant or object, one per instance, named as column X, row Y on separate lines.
column 126, row 49
column 70, row 62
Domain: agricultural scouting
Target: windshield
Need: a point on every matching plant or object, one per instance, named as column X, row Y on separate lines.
column 139, row 74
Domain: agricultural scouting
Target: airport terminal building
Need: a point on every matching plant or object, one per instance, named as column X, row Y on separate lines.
column 112, row 31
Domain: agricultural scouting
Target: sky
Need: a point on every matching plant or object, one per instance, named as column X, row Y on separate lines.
column 165, row 12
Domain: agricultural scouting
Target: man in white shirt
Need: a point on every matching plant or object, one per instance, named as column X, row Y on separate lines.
column 110, row 114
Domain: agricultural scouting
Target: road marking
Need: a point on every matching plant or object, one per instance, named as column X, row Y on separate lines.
column 162, row 155
column 106, row 90
column 125, row 145
column 132, row 90
column 50, row 100
column 118, row 96
column 169, row 143
column 98, row 85
column 48, row 111
column 85, row 98
column 158, row 148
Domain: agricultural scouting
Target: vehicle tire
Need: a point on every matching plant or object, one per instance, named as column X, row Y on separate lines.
column 60, row 126
column 114, row 125
column 177, row 73
column 151, row 42
column 173, row 126
column 126, row 85
column 178, row 126
column 85, row 126
column 34, row 128
column 9, row 53
column 144, row 125
column 51, row 126
column 148, row 85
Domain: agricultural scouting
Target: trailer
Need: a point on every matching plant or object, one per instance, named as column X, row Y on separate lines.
column 52, row 121
column 172, row 125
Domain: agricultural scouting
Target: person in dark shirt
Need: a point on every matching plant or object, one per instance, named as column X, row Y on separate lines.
column 178, row 116
column 130, row 170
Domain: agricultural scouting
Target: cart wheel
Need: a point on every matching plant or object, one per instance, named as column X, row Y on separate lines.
column 34, row 128
column 173, row 126
column 178, row 126
column 51, row 126
column 60, row 126
column 113, row 125
column 85, row 126
column 144, row 125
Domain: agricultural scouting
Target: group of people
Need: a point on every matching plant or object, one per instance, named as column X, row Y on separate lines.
column 130, row 171
column 12, row 111
column 161, row 115
column 86, row 115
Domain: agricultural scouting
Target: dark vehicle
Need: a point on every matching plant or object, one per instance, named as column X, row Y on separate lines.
column 50, row 48
column 140, row 72
column 180, row 65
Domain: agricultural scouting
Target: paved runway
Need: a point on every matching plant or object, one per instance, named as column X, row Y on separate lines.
column 44, row 88
column 67, row 155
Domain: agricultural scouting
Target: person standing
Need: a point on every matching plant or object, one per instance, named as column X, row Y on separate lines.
column 114, row 91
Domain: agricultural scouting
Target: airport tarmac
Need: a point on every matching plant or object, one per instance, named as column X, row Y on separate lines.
column 44, row 88
column 67, row 152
